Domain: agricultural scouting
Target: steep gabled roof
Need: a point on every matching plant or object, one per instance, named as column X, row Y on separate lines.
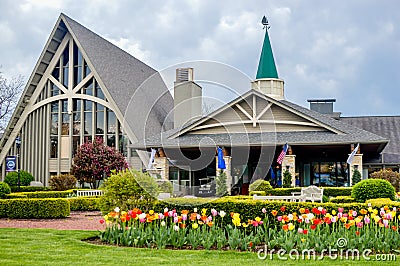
column 121, row 73
column 266, row 65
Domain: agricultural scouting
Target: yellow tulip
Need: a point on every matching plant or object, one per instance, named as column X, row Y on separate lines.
column 195, row 226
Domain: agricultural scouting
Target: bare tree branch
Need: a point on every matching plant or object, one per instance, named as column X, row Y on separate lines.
column 10, row 91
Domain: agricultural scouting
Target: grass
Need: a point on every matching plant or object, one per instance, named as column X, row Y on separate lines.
column 56, row 247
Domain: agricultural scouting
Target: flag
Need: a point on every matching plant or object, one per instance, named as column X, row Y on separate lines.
column 282, row 154
column 221, row 161
column 351, row 156
column 153, row 154
column 271, row 171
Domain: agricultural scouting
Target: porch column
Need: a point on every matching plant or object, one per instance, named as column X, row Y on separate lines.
column 290, row 162
column 356, row 164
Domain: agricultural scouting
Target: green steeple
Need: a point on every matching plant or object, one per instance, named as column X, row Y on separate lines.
column 266, row 66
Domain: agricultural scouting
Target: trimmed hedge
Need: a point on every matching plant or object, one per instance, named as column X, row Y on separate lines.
column 337, row 191
column 248, row 208
column 259, row 193
column 378, row 203
column 34, row 208
column 84, row 204
column 373, row 189
column 46, row 194
column 342, row 199
column 29, row 189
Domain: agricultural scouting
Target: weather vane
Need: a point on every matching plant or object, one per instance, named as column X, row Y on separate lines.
column 265, row 22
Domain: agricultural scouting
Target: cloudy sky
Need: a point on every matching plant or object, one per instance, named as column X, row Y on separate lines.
column 348, row 50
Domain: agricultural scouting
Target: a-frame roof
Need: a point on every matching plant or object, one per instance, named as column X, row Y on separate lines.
column 121, row 73
column 313, row 128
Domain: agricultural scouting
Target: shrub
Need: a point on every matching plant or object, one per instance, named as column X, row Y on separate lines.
column 34, row 208
column 84, row 204
column 25, row 178
column 388, row 175
column 287, row 179
column 373, row 189
column 378, row 203
column 259, row 193
column 127, row 190
column 95, row 161
column 260, row 185
column 337, row 191
column 4, row 189
column 62, row 182
column 342, row 199
column 220, row 184
column 165, row 186
column 46, row 194
column 356, row 177
column 28, row 188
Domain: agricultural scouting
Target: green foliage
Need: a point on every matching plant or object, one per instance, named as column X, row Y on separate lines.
column 29, row 188
column 287, row 179
column 165, row 186
column 356, row 177
column 25, row 178
column 128, row 189
column 220, row 182
column 62, row 182
column 247, row 207
column 342, row 199
column 337, row 191
column 84, row 204
column 378, row 203
column 388, row 175
column 4, row 189
column 260, row 185
column 373, row 189
column 284, row 191
column 325, row 199
column 94, row 160
column 46, row 194
column 34, row 208
column 259, row 193
column 15, row 196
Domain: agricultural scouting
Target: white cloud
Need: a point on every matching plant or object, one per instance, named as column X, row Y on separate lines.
column 30, row 5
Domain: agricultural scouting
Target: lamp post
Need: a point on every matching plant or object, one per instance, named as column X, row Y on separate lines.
column 18, row 143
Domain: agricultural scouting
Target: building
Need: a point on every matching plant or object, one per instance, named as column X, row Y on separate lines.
column 81, row 88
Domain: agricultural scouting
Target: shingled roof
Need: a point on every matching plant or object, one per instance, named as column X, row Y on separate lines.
column 121, row 73
column 385, row 126
column 348, row 134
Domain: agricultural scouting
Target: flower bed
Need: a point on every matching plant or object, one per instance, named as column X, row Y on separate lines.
column 306, row 228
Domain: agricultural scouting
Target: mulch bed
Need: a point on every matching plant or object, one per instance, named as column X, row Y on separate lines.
column 76, row 221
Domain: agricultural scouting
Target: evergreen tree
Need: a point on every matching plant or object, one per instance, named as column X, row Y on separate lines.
column 356, row 177
column 287, row 179
column 220, row 182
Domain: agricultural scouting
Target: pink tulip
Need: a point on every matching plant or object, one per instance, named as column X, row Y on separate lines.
column 367, row 220
column 184, row 217
column 264, row 210
column 300, row 230
column 279, row 218
column 175, row 219
column 160, row 216
column 340, row 209
column 360, row 224
column 386, row 223
column 214, row 212
column 354, row 213
column 339, row 215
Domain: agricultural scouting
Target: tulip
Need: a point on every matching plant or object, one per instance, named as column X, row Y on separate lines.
column 176, row 228
column 264, row 210
column 360, row 224
column 367, row 220
column 214, row 212
column 279, row 218
column 116, row 209
column 222, row 214
column 386, row 223
column 163, row 223
column 340, row 209
column 354, row 213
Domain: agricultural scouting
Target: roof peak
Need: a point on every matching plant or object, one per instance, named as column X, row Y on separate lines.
column 266, row 65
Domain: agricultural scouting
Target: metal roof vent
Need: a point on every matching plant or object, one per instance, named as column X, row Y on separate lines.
column 184, row 74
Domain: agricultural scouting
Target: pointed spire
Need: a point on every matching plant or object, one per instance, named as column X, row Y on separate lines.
column 266, row 66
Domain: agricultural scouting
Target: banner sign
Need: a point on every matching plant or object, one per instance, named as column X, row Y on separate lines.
column 11, row 163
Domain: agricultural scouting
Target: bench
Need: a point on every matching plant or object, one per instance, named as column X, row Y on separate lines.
column 89, row 193
column 283, row 198
column 311, row 193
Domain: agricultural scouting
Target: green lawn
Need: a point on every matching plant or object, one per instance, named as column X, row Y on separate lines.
column 55, row 247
